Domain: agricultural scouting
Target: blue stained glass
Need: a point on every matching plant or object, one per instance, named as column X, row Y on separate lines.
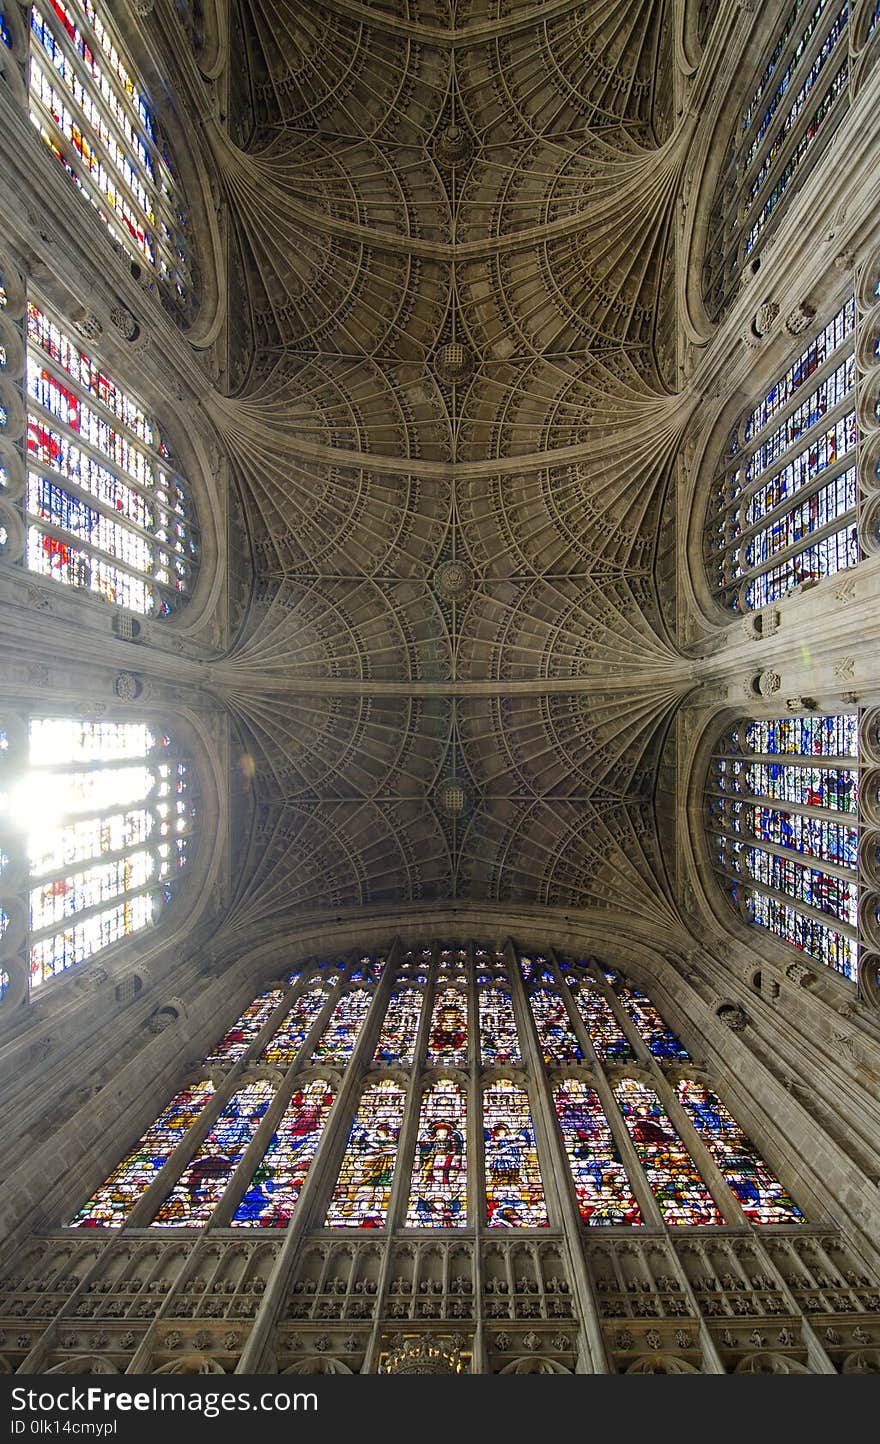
column 203, row 1182
column 661, row 1040
column 273, row 1191
column 761, row 1195
column 603, row 1190
column 499, row 1043
column 556, row 1036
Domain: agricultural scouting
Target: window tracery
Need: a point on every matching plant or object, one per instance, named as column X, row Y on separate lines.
column 783, row 509
column 800, row 93
column 106, row 510
column 93, row 113
column 783, row 813
column 108, row 809
column 400, row 1154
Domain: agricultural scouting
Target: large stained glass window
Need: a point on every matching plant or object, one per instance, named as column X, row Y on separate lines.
column 783, row 509
column 246, row 1028
column 107, row 817
column 271, row 1196
column 397, row 1040
column 363, row 1189
column 433, row 1116
column 555, row 1033
column 203, row 1182
column 438, row 1198
column 799, row 94
column 95, row 117
column 499, row 1043
column 674, row 1178
column 514, row 1188
column 287, row 1040
column 338, row 1039
column 761, row 1195
column 782, row 804
column 604, row 1193
column 447, row 1036
column 106, row 511
column 114, row 1200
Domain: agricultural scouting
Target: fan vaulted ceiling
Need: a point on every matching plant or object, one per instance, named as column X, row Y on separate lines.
column 454, row 431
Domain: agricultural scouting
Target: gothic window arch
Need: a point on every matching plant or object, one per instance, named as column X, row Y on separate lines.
column 106, row 510
column 96, row 826
column 796, row 98
column 783, row 510
column 783, row 819
column 92, row 110
column 429, row 1148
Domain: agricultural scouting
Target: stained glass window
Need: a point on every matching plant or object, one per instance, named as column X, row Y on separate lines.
column 438, row 1198
column 661, row 1040
column 108, row 816
column 783, row 509
column 338, row 1039
column 203, row 1182
column 94, row 115
column 286, row 1042
column 368, row 970
column 363, row 1189
column 674, row 1178
column 245, row 1029
column 603, row 1190
column 114, row 1200
column 397, row 1040
column 761, row 1195
column 799, row 96
column 438, row 1107
column 514, row 1188
column 107, row 513
column 447, row 1037
column 555, row 1033
column 782, row 803
column 498, row 1034
column 606, row 1034
column 271, row 1196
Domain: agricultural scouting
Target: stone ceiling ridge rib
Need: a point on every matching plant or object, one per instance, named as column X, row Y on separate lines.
column 454, row 437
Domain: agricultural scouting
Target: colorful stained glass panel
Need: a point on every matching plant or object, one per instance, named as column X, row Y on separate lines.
column 203, row 1182
column 761, row 1195
column 363, row 1189
column 275, row 1187
column 499, row 1043
column 603, row 1190
column 112, row 1203
column 671, row 1172
column 397, row 1040
column 438, row 1198
column 514, row 1187
column 447, row 1037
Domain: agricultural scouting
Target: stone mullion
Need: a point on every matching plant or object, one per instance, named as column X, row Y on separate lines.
column 809, row 860
column 650, row 1209
column 728, row 1205
column 593, row 1359
column 751, row 209
column 149, row 1202
column 408, row 1131
column 154, row 1196
column 754, row 884
column 318, row 1183
column 292, row 1079
column 35, row 1360
column 817, row 1357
